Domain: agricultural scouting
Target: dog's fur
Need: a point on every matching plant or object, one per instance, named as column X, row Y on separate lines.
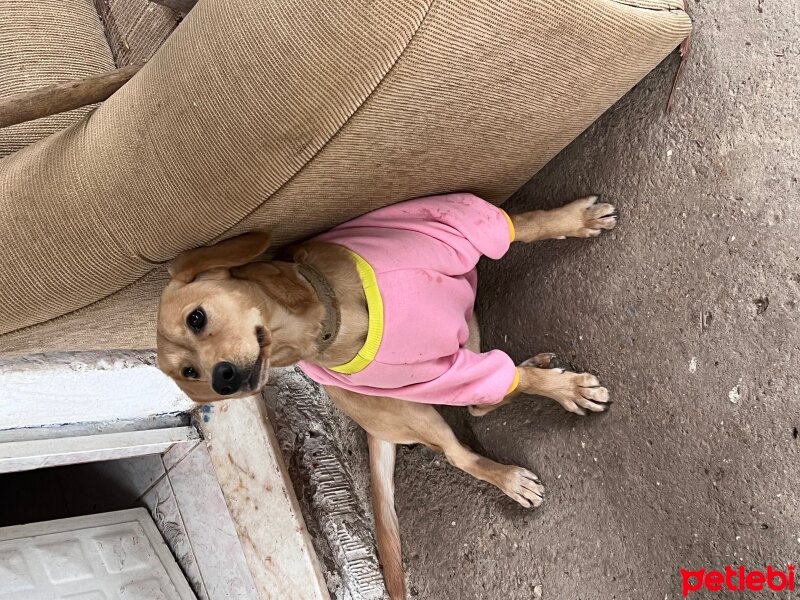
column 259, row 314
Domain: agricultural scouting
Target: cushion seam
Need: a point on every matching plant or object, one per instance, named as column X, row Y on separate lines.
column 640, row 6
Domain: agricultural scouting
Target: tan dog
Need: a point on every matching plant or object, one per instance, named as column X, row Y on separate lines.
column 224, row 319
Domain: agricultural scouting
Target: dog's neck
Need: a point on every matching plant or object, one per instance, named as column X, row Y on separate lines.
column 331, row 322
column 292, row 335
column 297, row 334
column 336, row 265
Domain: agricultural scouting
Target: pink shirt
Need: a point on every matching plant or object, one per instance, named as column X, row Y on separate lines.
column 417, row 263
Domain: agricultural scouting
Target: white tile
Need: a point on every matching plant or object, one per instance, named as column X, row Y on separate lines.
column 160, row 501
column 149, row 589
column 14, row 573
column 95, row 595
column 265, row 511
column 216, row 545
column 64, row 561
column 178, row 452
column 99, row 557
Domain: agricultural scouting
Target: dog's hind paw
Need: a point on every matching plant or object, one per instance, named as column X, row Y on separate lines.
column 587, row 217
column 522, row 486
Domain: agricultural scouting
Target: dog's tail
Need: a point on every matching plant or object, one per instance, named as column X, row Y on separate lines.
column 387, row 530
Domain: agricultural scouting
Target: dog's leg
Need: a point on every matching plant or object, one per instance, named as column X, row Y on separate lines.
column 389, row 421
column 544, row 360
column 387, row 529
column 582, row 218
column 576, row 392
column 519, row 484
column 402, row 422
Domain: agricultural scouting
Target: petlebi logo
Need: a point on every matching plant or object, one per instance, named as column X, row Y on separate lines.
column 738, row 579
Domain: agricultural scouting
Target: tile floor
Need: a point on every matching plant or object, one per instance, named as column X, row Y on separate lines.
column 181, row 492
column 113, row 555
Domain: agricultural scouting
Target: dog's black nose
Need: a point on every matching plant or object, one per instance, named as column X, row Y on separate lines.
column 226, row 379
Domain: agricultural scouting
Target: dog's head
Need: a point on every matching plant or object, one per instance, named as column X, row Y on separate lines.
column 212, row 334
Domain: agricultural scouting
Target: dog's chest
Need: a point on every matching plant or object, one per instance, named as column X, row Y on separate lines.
column 425, row 315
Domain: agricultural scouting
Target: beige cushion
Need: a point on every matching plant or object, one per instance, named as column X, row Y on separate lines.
column 42, row 43
column 295, row 124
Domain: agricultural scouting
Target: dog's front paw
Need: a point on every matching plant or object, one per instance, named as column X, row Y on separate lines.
column 587, row 217
column 522, row 486
column 579, row 392
column 576, row 392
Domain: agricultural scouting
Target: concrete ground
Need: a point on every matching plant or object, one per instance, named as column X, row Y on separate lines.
column 689, row 313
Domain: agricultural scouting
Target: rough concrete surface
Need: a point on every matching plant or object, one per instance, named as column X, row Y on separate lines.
column 688, row 312
column 336, row 511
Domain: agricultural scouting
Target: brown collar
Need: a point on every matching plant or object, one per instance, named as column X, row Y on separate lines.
column 326, row 295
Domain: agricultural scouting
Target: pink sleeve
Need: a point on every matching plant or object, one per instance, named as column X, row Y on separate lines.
column 471, row 226
column 472, row 379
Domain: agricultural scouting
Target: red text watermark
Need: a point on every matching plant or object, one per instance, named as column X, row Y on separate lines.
column 738, row 580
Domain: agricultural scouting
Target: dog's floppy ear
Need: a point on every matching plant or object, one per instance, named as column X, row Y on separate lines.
column 282, row 284
column 233, row 252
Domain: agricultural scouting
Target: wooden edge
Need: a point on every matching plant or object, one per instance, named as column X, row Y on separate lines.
column 62, row 97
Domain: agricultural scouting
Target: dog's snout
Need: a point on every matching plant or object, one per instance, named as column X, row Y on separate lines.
column 226, row 379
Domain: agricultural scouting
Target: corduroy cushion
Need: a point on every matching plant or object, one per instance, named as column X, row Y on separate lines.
column 296, row 115
column 42, row 43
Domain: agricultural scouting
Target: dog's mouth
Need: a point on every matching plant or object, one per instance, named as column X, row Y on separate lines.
column 258, row 370
column 255, row 375
column 261, row 337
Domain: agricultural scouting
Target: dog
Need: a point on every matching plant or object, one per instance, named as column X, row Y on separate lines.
column 378, row 311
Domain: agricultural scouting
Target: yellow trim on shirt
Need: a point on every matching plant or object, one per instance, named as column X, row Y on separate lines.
column 511, row 228
column 375, row 329
column 515, row 383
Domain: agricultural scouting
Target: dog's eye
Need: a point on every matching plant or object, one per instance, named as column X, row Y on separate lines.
column 196, row 319
column 190, row 373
